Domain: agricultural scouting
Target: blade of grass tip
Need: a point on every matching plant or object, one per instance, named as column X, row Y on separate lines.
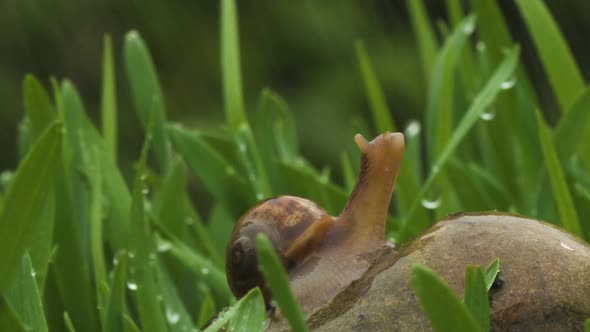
column 250, row 314
column 206, row 312
column 439, row 302
column 476, row 296
column 558, row 61
column 9, row 320
column 276, row 277
column 109, row 99
column 491, row 272
column 230, row 313
column 23, row 202
column 115, row 306
column 68, row 322
column 38, row 107
column 481, row 102
column 142, row 252
column 129, row 325
column 439, row 109
column 561, row 193
column 24, row 138
column 24, row 297
column 230, row 66
column 424, row 32
column 382, row 119
column 147, row 94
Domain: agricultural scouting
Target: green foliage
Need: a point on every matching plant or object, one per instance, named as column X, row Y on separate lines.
column 82, row 250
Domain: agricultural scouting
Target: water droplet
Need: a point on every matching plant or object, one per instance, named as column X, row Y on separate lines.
column 566, row 246
column 242, row 147
column 145, row 190
column 115, row 261
column 480, row 46
column 33, row 273
column 164, row 246
column 131, row 255
column 469, row 27
column 131, row 285
column 413, row 128
column 431, row 204
column 172, row 317
column 204, row 271
column 435, row 169
column 488, row 116
column 508, row 84
column 143, row 177
column 259, row 196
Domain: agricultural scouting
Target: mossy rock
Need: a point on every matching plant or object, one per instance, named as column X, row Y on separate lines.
column 545, row 276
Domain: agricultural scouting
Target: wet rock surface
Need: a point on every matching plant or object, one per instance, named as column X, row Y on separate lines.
column 544, row 280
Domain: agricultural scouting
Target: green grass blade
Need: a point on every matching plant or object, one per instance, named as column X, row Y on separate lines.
column 24, row 200
column 147, row 94
column 250, row 314
column 425, row 34
column 202, row 267
column 96, row 226
column 476, row 296
column 561, row 193
column 231, row 313
column 491, row 272
column 9, row 320
column 481, row 102
column 587, row 325
column 176, row 315
column 142, row 254
column 440, row 109
column 207, row 311
column 230, row 66
column 572, row 127
column 559, row 64
column 382, row 120
column 109, row 99
column 24, row 297
column 38, row 107
column 276, row 277
column 115, row 307
column 440, row 303
column 219, row 177
column 68, row 322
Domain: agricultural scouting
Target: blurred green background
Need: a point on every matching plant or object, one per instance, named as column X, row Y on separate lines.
column 303, row 50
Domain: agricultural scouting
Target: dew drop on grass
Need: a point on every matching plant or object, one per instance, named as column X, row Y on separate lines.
column 469, row 28
column 164, row 246
column 33, row 273
column 131, row 255
column 242, row 147
column 259, row 196
column 431, row 204
column 204, row 271
column 488, row 115
column 508, row 84
column 480, row 46
column 171, row 316
column 413, row 129
column 131, row 285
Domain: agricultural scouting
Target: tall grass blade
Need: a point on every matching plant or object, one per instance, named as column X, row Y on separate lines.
column 115, row 307
column 38, row 107
column 147, row 94
column 424, row 32
column 9, row 320
column 276, row 277
column 382, row 120
column 476, row 296
column 561, row 193
column 109, row 99
column 24, row 200
column 230, row 66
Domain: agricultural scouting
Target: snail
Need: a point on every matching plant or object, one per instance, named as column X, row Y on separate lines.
column 345, row 275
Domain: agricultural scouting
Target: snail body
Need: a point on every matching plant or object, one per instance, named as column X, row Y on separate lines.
column 346, row 276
